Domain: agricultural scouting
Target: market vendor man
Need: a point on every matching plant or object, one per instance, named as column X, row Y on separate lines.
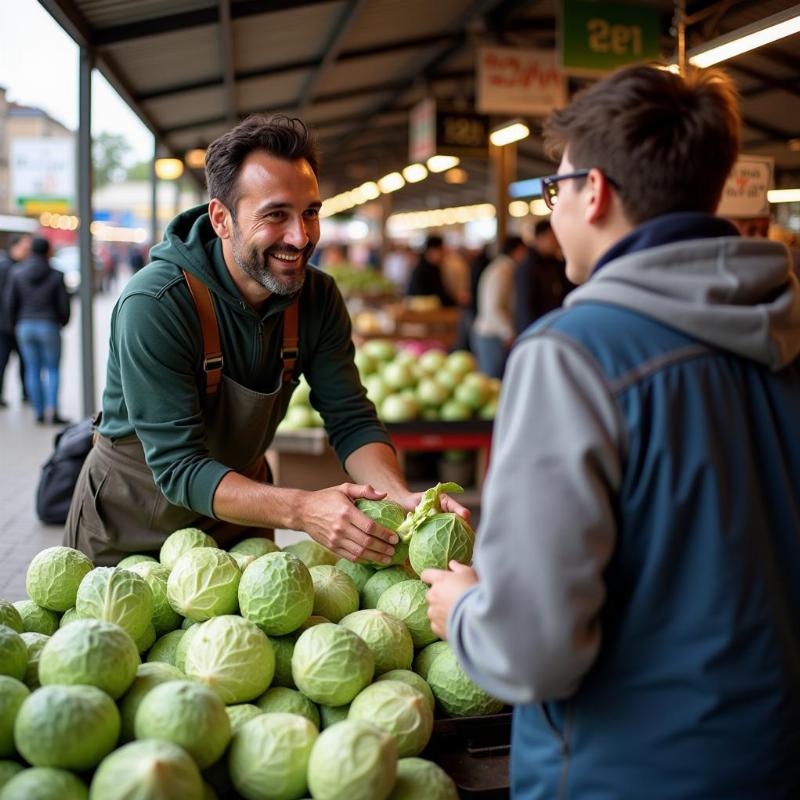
column 207, row 345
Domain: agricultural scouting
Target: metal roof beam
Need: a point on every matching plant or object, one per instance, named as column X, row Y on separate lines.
column 773, row 134
column 67, row 15
column 768, row 82
column 209, row 15
column 285, row 109
column 226, row 59
column 332, row 49
column 293, row 66
column 428, row 62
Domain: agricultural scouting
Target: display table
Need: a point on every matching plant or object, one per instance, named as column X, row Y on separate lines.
column 304, row 460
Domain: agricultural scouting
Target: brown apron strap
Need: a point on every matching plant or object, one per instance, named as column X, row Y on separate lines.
column 212, row 352
column 290, row 340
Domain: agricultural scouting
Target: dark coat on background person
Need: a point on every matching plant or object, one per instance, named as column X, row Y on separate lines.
column 36, row 291
column 540, row 286
column 7, row 265
column 426, row 279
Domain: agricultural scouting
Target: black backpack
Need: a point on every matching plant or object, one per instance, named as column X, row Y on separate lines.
column 60, row 472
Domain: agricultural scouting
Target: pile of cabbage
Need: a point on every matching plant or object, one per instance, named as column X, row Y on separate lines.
column 259, row 672
column 405, row 385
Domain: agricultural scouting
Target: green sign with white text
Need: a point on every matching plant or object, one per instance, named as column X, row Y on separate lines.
column 597, row 37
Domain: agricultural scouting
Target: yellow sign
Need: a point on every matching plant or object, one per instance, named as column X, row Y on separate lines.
column 39, row 205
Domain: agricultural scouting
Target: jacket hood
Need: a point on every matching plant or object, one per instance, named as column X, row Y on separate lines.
column 188, row 243
column 34, row 270
column 740, row 295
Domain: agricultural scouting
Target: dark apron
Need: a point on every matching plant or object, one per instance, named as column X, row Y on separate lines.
column 117, row 509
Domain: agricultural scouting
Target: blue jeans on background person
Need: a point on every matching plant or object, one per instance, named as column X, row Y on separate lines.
column 40, row 344
column 491, row 353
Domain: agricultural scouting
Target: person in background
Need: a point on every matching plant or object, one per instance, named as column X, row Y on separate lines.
column 455, row 276
column 37, row 302
column 19, row 248
column 398, row 263
column 478, row 261
column 135, row 258
column 493, row 329
column 426, row 277
column 540, row 284
column 636, row 581
column 334, row 255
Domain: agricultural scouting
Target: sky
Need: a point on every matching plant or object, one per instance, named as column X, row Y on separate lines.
column 39, row 67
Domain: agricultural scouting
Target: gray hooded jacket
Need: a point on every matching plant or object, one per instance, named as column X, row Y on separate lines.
column 531, row 629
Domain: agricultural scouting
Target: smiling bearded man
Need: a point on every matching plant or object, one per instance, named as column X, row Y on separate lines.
column 208, row 343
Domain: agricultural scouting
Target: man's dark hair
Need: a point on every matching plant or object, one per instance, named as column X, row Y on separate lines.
column 16, row 238
column 667, row 141
column 40, row 246
column 279, row 136
column 434, row 241
column 542, row 227
column 510, row 244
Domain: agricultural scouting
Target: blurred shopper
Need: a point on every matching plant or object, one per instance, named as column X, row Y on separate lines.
column 426, row 277
column 135, row 258
column 19, row 248
column 109, row 258
column 334, row 255
column 540, row 283
column 477, row 264
column 639, row 549
column 455, row 276
column 398, row 263
column 207, row 346
column 37, row 303
column 493, row 329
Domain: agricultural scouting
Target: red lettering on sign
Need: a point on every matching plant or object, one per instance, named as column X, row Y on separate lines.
column 510, row 72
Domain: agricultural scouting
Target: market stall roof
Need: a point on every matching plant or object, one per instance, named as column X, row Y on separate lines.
column 353, row 69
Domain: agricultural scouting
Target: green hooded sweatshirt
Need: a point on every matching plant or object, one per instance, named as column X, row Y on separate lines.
column 155, row 385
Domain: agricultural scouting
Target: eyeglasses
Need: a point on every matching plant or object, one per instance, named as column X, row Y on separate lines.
column 550, row 185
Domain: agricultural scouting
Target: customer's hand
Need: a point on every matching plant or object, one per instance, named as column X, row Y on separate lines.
column 447, row 585
column 330, row 517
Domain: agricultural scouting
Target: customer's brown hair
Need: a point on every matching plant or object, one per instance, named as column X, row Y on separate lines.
column 278, row 135
column 668, row 142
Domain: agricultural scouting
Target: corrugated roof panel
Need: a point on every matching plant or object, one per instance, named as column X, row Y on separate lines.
column 198, row 137
column 108, row 13
column 777, row 110
column 369, row 71
column 354, row 109
column 170, row 59
column 178, row 109
column 392, row 20
column 760, row 60
column 283, row 36
column 271, row 92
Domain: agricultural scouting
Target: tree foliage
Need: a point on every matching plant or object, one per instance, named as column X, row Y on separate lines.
column 110, row 153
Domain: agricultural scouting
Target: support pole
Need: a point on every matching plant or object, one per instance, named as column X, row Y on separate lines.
column 504, row 160
column 154, row 197
column 681, row 14
column 85, row 181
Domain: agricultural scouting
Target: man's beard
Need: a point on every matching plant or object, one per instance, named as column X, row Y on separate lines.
column 254, row 263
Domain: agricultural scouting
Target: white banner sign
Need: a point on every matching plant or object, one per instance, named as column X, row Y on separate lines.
column 745, row 192
column 519, row 81
column 422, row 136
column 42, row 169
